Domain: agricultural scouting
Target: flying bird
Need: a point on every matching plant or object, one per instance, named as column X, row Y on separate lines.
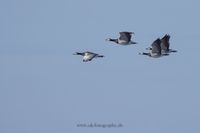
column 124, row 38
column 88, row 56
column 155, row 50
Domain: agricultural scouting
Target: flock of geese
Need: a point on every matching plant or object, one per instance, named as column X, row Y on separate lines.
column 159, row 48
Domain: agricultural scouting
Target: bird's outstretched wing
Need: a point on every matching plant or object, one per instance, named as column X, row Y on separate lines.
column 156, row 48
column 126, row 36
column 165, row 42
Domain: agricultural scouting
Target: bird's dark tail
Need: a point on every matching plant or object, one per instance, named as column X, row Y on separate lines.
column 134, row 42
column 165, row 54
column 100, row 56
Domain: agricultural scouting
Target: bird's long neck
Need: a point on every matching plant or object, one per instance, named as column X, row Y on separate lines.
column 145, row 53
column 80, row 53
column 171, row 50
column 148, row 54
column 114, row 40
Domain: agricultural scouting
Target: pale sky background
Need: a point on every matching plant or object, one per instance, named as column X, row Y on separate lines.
column 46, row 89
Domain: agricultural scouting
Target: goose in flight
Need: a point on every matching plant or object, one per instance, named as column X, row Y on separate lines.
column 155, row 50
column 88, row 56
column 124, row 38
column 165, row 44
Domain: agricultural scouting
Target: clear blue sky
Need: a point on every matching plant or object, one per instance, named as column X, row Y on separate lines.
column 46, row 89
